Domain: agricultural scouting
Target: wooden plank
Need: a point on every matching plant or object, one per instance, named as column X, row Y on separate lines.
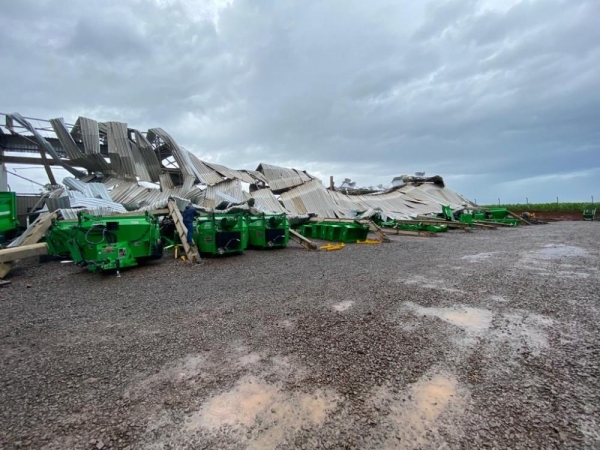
column 373, row 227
column 5, row 268
column 32, row 235
column 38, row 228
column 526, row 222
column 304, row 242
column 22, row 251
column 191, row 251
column 408, row 232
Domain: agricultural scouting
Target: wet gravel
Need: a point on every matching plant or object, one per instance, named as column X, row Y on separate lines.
column 507, row 319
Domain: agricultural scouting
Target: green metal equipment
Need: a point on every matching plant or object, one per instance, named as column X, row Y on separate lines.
column 220, row 234
column 589, row 214
column 8, row 216
column 268, row 231
column 335, row 231
column 106, row 243
column 415, row 226
column 492, row 215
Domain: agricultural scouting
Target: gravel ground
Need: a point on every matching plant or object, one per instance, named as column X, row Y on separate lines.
column 466, row 340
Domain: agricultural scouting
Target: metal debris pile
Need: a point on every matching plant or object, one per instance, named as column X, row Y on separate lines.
column 124, row 201
column 127, row 170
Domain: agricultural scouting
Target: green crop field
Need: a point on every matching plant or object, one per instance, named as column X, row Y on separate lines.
column 558, row 207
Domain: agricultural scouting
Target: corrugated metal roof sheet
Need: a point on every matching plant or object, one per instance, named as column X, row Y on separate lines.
column 231, row 188
column 268, row 201
column 281, row 178
column 230, row 173
column 148, row 156
column 119, row 150
column 311, row 197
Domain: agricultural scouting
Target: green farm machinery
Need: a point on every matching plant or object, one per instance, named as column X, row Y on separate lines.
column 8, row 216
column 589, row 214
column 220, row 234
column 335, row 231
column 489, row 216
column 107, row 242
column 268, row 231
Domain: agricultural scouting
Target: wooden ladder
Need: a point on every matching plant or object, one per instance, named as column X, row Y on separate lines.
column 191, row 251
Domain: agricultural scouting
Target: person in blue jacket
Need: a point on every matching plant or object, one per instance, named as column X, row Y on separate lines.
column 188, row 220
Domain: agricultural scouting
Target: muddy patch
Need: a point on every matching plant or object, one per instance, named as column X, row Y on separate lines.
column 433, row 403
column 472, row 320
column 343, row 306
column 263, row 411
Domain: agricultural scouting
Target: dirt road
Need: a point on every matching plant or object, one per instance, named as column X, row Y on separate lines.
column 467, row 340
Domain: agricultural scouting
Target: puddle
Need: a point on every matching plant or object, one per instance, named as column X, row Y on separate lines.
column 523, row 329
column 418, row 416
column 343, row 306
column 473, row 320
column 276, row 414
column 439, row 285
column 478, row 256
column 555, row 251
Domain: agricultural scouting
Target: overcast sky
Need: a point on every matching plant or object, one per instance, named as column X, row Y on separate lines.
column 501, row 98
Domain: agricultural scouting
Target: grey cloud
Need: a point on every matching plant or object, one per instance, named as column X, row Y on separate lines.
column 485, row 96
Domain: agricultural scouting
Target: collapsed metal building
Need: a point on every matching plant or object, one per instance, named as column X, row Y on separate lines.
column 115, row 168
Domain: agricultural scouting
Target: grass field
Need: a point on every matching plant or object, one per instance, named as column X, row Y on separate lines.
column 545, row 206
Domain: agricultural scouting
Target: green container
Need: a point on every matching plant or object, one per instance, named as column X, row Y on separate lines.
column 106, row 243
column 589, row 214
column 498, row 213
column 220, row 234
column 479, row 215
column 466, row 218
column 8, row 215
column 268, row 231
column 353, row 232
column 307, row 230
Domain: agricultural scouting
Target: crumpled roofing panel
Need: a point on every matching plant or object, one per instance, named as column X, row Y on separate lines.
column 119, row 150
column 231, row 188
column 265, row 199
column 230, row 173
column 43, row 143
column 148, row 155
column 93, row 162
column 311, row 197
column 282, row 178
